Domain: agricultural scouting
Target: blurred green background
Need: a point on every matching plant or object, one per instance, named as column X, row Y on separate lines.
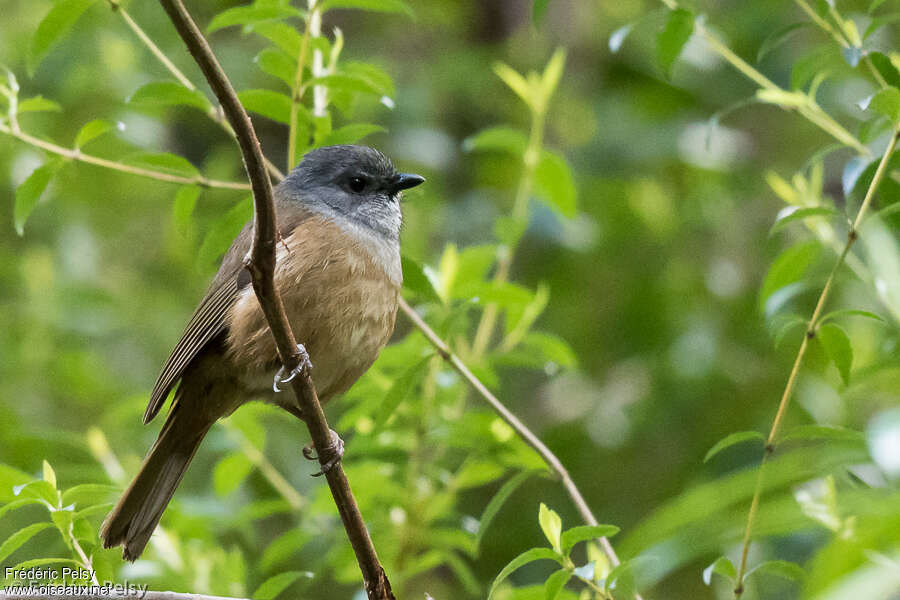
column 654, row 283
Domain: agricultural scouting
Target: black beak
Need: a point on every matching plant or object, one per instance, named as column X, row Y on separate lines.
column 404, row 181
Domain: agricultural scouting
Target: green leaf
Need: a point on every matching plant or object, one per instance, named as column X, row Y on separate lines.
column 779, row 568
column 183, row 208
column 538, row 10
column 385, row 6
column 90, row 511
column 11, row 479
column 551, row 525
column 472, row 267
column 169, row 93
column 415, row 280
column 282, row 35
column 671, row 40
column 887, row 103
column 163, row 161
column 879, row 22
column 38, row 104
column 885, row 67
column 399, row 390
column 223, row 231
column 731, row 440
column 555, row 185
column 230, row 472
column 583, row 533
column 270, row 104
column 252, row 14
column 503, row 139
column 499, row 499
column 851, row 312
column 789, row 267
column 91, row 131
column 53, row 27
column 837, row 346
column 515, row 82
column 29, row 192
column 777, row 38
column 721, row 566
column 282, row 548
column 346, row 82
column 555, row 583
column 10, row 506
column 523, row 559
column 827, row 433
column 48, row 474
column 801, row 214
column 350, row 134
column 40, row 562
column 274, row 586
column 16, row 540
column 278, row 64
column 40, row 490
column 786, row 325
column 377, row 78
column 553, row 73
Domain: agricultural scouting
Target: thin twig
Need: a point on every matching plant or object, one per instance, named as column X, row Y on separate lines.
column 261, row 265
column 521, row 429
column 852, row 236
column 297, row 96
column 76, row 154
column 267, row 469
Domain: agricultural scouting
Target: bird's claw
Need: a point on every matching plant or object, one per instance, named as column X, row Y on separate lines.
column 334, row 452
column 303, row 367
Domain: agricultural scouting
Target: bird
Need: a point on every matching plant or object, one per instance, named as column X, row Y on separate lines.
column 338, row 271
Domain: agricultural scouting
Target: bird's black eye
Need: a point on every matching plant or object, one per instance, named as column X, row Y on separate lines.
column 357, row 184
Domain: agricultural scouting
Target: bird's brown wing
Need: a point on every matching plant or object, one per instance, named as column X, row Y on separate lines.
column 208, row 321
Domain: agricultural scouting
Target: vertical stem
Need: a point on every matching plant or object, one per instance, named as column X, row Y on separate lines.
column 297, row 93
column 320, row 92
column 852, row 236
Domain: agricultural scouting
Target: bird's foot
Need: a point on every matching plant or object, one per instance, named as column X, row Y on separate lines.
column 303, row 367
column 333, row 453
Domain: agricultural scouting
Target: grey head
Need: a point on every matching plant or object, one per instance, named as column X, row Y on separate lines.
column 356, row 182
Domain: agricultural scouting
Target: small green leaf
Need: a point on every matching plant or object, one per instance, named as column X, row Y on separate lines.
column 826, row 433
column 851, row 312
column 48, row 474
column 515, row 82
column 802, row 214
column 350, row 134
column 555, row 583
column 583, row 533
column 91, row 131
column 671, row 40
column 523, row 559
column 415, row 280
column 879, row 22
column 721, row 566
column 386, row 6
column 886, row 68
column 10, row 506
column 278, row 64
column 230, row 472
column 29, row 192
column 163, row 161
column 347, row 83
column 499, row 499
column 169, row 93
column 779, row 568
column 16, row 540
column 399, row 390
column 252, row 14
column 282, row 35
column 183, row 208
column 270, row 104
column 887, row 103
column 504, row 139
column 777, row 38
column 223, row 231
column 789, row 267
column 837, row 346
column 53, row 27
column 555, row 185
column 39, row 490
column 273, row 586
column 731, row 440
column 551, row 525
column 785, row 326
column 38, row 104
column 553, row 73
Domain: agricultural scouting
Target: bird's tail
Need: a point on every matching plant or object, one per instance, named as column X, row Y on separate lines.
column 136, row 515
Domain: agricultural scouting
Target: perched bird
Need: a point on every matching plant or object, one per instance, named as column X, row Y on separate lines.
column 338, row 272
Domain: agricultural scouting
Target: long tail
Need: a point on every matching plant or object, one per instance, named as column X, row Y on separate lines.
column 136, row 515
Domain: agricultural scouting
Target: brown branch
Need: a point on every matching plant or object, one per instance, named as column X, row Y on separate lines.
column 261, row 264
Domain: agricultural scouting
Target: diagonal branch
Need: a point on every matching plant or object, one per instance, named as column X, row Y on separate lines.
column 261, row 264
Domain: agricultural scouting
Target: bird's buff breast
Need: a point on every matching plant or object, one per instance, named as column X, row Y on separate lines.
column 340, row 291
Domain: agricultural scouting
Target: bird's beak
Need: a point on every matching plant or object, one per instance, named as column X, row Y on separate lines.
column 404, row 181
